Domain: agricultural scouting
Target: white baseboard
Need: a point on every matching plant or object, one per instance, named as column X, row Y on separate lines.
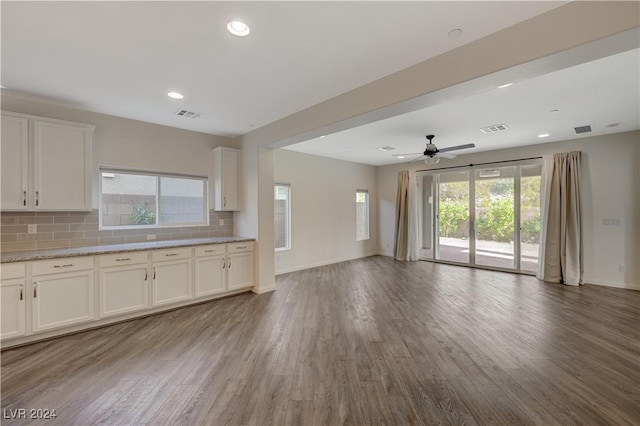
column 324, row 263
column 615, row 284
column 263, row 290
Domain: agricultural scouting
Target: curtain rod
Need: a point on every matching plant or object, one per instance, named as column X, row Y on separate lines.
column 479, row 164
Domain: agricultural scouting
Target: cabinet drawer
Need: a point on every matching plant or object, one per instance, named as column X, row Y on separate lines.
column 120, row 259
column 12, row 270
column 240, row 247
column 68, row 264
column 171, row 254
column 213, row 250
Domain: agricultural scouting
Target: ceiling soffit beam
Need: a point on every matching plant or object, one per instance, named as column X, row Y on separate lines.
column 530, row 48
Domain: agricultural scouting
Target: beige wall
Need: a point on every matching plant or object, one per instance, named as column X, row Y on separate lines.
column 323, row 209
column 610, row 190
column 575, row 33
column 130, row 144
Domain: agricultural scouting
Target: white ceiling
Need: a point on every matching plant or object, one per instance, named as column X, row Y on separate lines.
column 598, row 93
column 121, row 58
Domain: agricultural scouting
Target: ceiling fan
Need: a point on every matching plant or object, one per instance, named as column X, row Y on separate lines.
column 432, row 154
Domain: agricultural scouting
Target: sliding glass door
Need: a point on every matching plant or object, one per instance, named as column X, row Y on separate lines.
column 481, row 216
column 453, row 217
column 495, row 217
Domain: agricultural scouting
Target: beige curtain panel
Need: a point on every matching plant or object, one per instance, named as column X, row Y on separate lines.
column 401, row 250
column 561, row 253
column 407, row 237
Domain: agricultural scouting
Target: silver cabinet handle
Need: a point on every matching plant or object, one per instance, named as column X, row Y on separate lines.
column 224, row 263
column 240, row 247
column 24, row 198
column 35, row 290
column 224, row 201
column 21, row 297
column 171, row 254
column 37, row 198
column 146, row 274
column 68, row 265
column 124, row 259
column 154, row 273
column 229, row 263
column 209, row 251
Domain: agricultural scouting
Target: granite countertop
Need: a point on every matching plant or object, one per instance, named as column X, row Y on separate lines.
column 23, row 256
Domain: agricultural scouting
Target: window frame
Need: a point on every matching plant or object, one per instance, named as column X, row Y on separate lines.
column 288, row 217
column 367, row 214
column 158, row 176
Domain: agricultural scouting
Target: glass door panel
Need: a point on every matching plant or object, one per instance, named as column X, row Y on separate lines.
column 529, row 217
column 495, row 217
column 426, row 190
column 453, row 217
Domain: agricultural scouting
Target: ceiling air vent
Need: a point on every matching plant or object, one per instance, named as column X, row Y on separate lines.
column 187, row 114
column 386, row 148
column 582, row 129
column 495, row 128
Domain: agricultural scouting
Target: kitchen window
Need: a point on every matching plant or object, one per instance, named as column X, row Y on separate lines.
column 133, row 199
column 282, row 216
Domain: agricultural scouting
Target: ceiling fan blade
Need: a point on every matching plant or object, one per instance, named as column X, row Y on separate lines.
column 446, row 155
column 418, row 158
column 455, row 148
column 406, row 155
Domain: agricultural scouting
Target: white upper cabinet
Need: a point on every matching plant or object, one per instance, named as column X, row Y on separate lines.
column 226, row 179
column 15, row 162
column 55, row 168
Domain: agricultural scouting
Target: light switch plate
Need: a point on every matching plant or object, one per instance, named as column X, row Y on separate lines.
column 221, row 222
column 151, row 237
column 32, row 228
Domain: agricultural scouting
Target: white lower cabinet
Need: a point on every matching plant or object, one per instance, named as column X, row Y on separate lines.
column 211, row 269
column 124, row 283
column 240, row 265
column 171, row 278
column 12, row 301
column 54, row 295
column 61, row 299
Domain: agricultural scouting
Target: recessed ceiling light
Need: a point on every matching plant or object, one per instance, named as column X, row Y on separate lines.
column 238, row 28
column 502, row 86
column 323, row 136
column 175, row 95
column 543, row 135
column 400, row 156
column 456, row 32
column 386, row 148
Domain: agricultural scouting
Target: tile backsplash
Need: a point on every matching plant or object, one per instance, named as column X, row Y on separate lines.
column 80, row 229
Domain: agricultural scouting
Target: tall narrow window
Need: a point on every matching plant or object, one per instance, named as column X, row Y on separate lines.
column 362, row 215
column 282, row 215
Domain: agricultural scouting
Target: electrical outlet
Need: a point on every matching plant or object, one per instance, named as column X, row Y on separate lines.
column 32, row 228
column 221, row 222
column 151, row 237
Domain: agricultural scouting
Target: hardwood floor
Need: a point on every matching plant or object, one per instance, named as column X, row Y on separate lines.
column 370, row 341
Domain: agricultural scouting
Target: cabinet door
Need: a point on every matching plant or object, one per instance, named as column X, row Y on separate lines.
column 171, row 282
column 240, row 270
column 229, row 180
column 12, row 295
column 62, row 166
column 225, row 164
column 15, row 162
column 62, row 299
column 210, row 275
column 123, row 289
